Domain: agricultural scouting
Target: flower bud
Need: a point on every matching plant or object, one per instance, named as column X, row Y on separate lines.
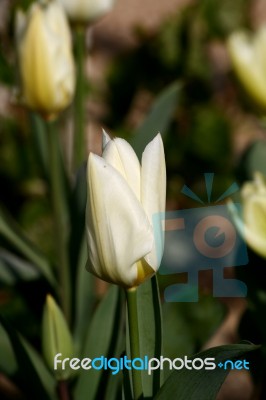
column 45, row 58
column 85, row 11
column 248, row 58
column 56, row 339
column 124, row 247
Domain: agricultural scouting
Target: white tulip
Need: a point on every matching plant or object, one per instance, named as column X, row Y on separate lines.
column 248, row 58
column 252, row 225
column 122, row 199
column 84, row 11
column 45, row 58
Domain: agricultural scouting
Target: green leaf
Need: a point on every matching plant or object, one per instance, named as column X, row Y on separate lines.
column 158, row 119
column 46, row 378
column 28, row 370
column 150, row 331
column 39, row 135
column 77, row 218
column 187, row 326
column 13, row 268
column 193, row 384
column 12, row 232
column 254, row 159
column 101, row 341
column 85, row 299
column 8, row 362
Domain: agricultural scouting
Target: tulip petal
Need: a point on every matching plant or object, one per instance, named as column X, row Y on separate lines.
column 254, row 234
column 105, row 139
column 122, row 157
column 118, row 231
column 36, row 68
column 84, row 10
column 255, row 223
column 246, row 60
column 153, row 192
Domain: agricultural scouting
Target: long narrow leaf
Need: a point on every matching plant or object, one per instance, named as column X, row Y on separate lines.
column 101, row 339
column 28, row 372
column 16, row 268
column 202, row 384
column 8, row 363
column 12, row 232
column 150, row 332
column 85, row 298
column 158, row 119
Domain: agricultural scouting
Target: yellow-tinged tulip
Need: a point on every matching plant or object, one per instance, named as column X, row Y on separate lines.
column 252, row 225
column 85, row 11
column 249, row 62
column 45, row 58
column 56, row 339
column 122, row 199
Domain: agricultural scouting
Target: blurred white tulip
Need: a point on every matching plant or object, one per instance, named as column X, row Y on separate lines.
column 85, row 11
column 252, row 224
column 45, row 58
column 248, row 58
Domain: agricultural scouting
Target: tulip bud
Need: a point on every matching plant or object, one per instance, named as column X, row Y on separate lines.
column 56, row 339
column 45, row 58
column 122, row 199
column 252, row 225
column 249, row 62
column 85, row 11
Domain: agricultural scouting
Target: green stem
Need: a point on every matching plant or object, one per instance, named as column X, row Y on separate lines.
column 58, row 195
column 79, row 111
column 132, row 310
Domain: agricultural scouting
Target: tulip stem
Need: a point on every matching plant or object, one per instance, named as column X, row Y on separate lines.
column 132, row 311
column 59, row 203
column 79, row 111
column 63, row 391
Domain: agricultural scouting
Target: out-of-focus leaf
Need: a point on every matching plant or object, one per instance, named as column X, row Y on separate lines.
column 202, row 384
column 224, row 17
column 8, row 362
column 85, row 299
column 39, row 134
column 150, row 331
column 187, row 326
column 254, row 159
column 13, row 268
column 12, row 232
column 158, row 119
column 77, row 217
column 115, row 383
column 101, row 340
column 28, row 374
column 46, row 378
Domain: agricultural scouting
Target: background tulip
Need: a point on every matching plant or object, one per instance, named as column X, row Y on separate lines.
column 249, row 62
column 84, row 11
column 253, row 223
column 45, row 58
column 122, row 198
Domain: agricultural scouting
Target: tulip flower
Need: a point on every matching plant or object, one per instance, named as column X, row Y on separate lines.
column 85, row 11
column 122, row 199
column 248, row 58
column 45, row 58
column 56, row 338
column 252, row 226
